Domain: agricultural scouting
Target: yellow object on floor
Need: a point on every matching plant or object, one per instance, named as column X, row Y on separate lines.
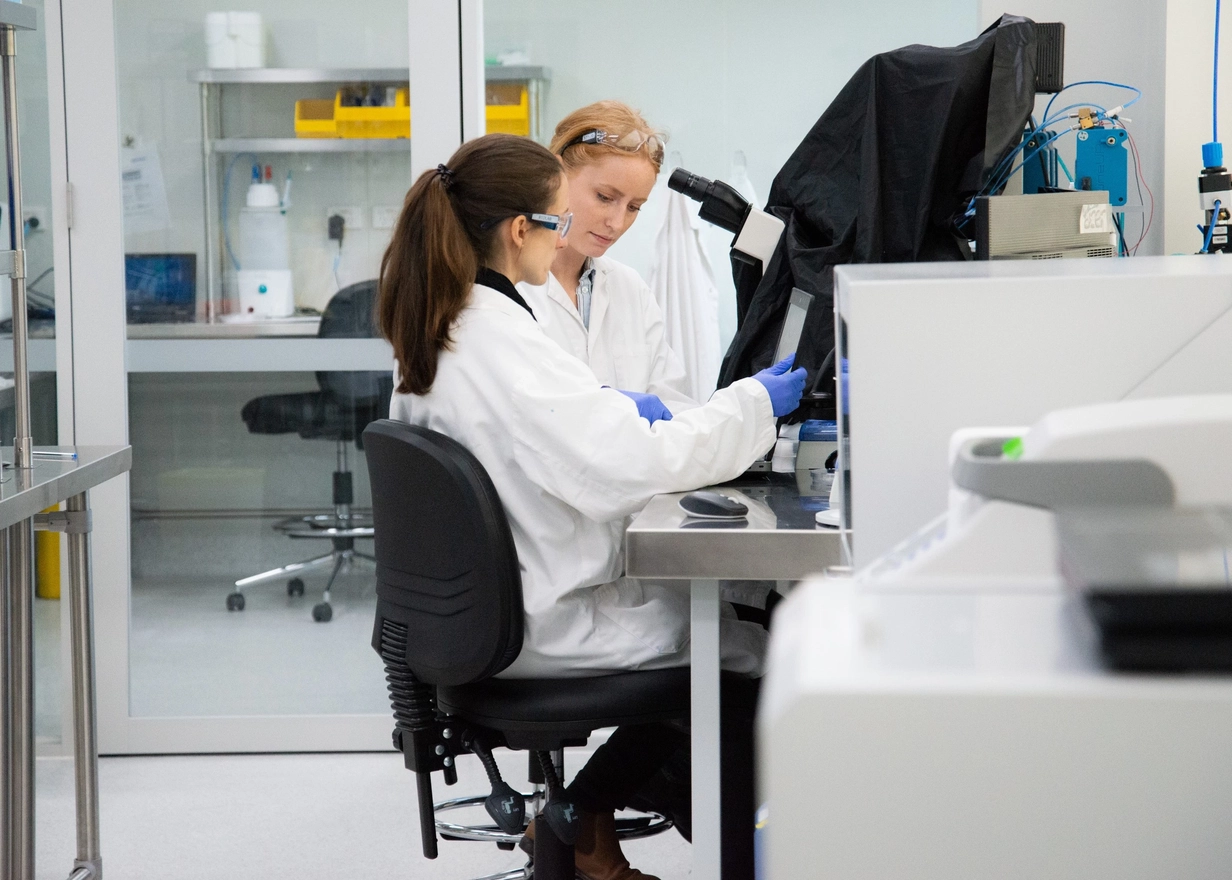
column 47, row 562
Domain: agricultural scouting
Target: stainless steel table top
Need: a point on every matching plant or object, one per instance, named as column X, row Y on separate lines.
column 27, row 492
column 779, row 540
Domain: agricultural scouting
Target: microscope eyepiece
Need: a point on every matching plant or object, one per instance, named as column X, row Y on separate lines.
column 721, row 205
column 688, row 183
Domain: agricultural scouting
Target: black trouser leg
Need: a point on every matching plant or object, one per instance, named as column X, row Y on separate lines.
column 627, row 761
column 739, row 793
column 634, row 755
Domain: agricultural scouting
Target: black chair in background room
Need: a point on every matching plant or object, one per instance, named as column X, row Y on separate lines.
column 346, row 402
column 448, row 618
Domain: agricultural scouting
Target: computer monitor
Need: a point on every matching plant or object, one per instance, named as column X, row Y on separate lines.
column 793, row 324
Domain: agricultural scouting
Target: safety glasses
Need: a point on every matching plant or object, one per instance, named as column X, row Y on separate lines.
column 559, row 222
column 630, row 142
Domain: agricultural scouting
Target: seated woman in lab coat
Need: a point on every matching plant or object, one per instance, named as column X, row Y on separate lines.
column 569, row 457
column 596, row 308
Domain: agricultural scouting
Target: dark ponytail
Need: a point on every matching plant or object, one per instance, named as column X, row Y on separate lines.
column 439, row 243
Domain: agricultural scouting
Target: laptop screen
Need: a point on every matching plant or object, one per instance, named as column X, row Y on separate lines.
column 161, row 287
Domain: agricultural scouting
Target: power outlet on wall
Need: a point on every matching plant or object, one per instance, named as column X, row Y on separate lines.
column 385, row 216
column 352, row 215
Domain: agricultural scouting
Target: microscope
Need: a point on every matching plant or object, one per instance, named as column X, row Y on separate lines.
column 757, row 233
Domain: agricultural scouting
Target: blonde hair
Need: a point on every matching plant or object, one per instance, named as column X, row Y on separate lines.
column 616, row 118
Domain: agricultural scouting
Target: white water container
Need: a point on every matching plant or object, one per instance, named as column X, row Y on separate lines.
column 234, row 39
column 264, row 277
column 265, row 293
column 263, row 239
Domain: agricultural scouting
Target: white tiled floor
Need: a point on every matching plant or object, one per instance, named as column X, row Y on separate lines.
column 256, row 817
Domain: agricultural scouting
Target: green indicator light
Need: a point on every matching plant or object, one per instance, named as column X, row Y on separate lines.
column 1012, row 448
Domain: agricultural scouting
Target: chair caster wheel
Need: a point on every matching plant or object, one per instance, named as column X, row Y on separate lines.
column 295, row 587
column 322, row 613
column 235, row 602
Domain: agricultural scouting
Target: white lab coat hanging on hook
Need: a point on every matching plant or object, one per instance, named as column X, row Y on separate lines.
column 683, row 284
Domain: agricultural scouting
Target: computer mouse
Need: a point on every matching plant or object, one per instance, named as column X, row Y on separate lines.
column 706, row 504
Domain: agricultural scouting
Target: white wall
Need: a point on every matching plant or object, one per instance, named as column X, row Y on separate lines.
column 158, row 43
column 719, row 76
column 1121, row 42
column 1190, row 42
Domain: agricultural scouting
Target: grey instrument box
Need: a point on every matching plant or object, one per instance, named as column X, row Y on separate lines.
column 1044, row 226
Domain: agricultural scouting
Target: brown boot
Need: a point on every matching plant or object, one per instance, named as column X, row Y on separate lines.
column 596, row 854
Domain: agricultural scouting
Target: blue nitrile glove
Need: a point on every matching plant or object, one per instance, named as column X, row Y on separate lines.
column 649, row 407
column 785, row 388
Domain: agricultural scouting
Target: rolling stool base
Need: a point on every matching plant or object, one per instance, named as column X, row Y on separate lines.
column 643, row 824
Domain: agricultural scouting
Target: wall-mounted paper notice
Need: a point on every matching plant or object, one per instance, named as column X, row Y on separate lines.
column 145, row 196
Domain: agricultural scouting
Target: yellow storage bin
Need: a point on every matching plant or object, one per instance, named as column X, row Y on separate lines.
column 314, row 118
column 374, row 122
column 508, row 109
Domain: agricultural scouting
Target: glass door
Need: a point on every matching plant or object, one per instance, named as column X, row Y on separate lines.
column 261, row 161
column 40, row 216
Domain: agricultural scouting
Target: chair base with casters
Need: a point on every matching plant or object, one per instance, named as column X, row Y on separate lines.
column 635, row 827
column 341, row 527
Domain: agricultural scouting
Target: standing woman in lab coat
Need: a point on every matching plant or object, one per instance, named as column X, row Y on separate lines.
column 569, row 457
column 596, row 308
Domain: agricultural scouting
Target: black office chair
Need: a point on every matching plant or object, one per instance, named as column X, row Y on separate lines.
column 346, row 402
column 449, row 618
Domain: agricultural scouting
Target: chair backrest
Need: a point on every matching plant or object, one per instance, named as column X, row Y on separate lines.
column 350, row 315
column 447, row 568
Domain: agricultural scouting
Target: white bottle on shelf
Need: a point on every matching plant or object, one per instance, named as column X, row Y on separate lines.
column 234, row 39
column 264, row 276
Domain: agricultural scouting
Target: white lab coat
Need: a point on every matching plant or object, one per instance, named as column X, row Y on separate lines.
column 570, row 459
column 682, row 283
column 626, row 346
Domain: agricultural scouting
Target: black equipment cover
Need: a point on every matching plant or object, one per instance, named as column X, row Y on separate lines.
column 882, row 176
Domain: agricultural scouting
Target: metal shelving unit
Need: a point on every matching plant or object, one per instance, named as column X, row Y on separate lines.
column 492, row 73
column 311, row 145
column 214, row 143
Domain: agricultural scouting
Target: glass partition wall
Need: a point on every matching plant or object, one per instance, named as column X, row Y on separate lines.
column 38, row 217
column 248, row 210
column 207, row 497
column 263, row 159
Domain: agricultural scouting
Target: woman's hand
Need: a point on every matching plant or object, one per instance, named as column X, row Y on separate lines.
column 785, row 388
column 649, row 406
